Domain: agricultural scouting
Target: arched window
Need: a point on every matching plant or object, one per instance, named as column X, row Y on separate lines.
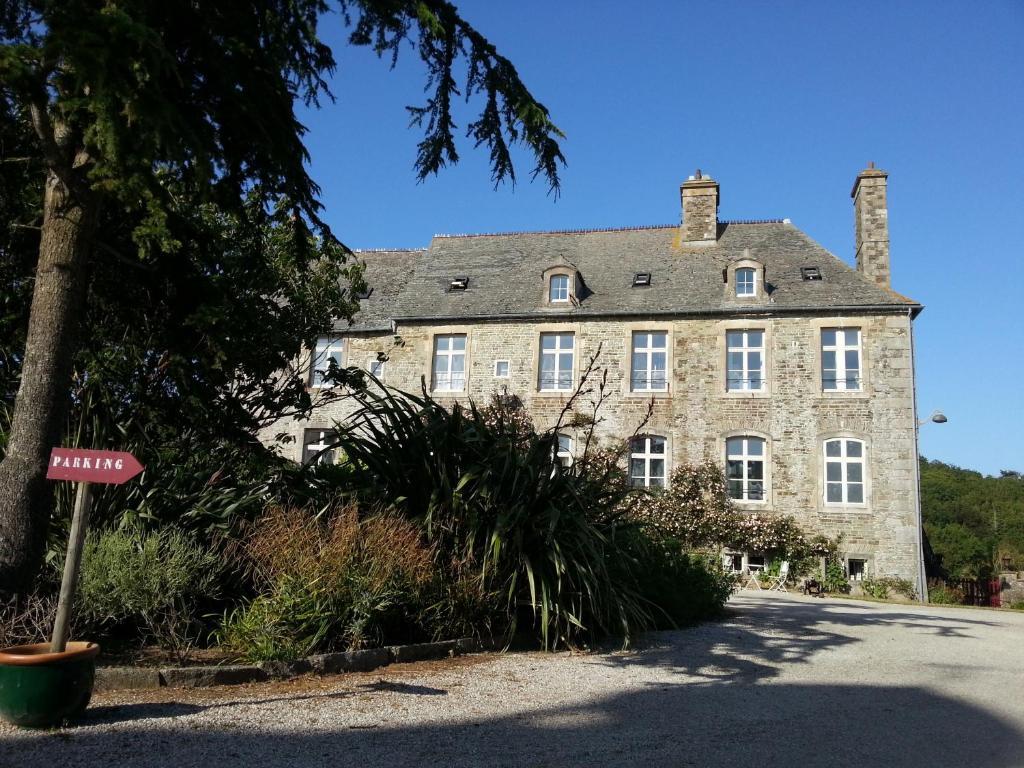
column 746, row 281
column 559, row 289
column 844, row 471
column 744, row 468
column 647, row 462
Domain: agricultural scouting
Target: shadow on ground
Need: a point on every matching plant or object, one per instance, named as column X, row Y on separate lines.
column 717, row 702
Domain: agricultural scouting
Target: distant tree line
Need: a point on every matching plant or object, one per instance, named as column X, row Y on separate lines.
column 973, row 522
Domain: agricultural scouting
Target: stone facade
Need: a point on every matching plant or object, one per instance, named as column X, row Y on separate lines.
column 693, row 300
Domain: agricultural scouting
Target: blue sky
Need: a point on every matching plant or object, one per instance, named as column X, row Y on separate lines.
column 782, row 103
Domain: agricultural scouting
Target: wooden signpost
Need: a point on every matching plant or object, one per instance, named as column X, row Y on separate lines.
column 84, row 467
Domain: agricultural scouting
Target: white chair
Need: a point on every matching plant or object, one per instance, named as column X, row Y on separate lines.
column 779, row 585
column 752, row 578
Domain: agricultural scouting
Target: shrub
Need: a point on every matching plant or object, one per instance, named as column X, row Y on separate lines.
column 881, row 587
column 943, row 594
column 328, row 583
column 683, row 587
column 27, row 618
column 834, row 578
column 488, row 495
column 133, row 582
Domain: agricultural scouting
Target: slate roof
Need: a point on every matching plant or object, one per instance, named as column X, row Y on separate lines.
column 505, row 275
column 386, row 274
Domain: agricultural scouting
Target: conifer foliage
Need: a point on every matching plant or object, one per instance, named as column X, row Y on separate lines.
column 136, row 110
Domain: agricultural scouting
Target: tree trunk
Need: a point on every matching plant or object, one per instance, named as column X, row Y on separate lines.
column 58, row 301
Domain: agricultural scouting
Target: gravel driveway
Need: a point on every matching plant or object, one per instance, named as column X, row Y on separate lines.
column 783, row 681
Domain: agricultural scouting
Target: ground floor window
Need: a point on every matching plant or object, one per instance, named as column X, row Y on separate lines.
column 856, row 568
column 317, row 446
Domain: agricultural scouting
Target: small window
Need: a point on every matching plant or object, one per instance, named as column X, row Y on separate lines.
column 840, row 359
column 501, row 369
column 641, row 279
column 647, row 462
column 328, row 351
column 856, row 568
column 450, row 363
column 318, row 446
column 365, row 293
column 745, row 361
column 755, row 562
column 746, row 282
column 459, row 284
column 557, row 352
column 810, row 273
column 558, row 291
column 564, row 452
column 375, row 366
column 650, row 352
column 744, row 468
column 733, row 562
column 844, row 472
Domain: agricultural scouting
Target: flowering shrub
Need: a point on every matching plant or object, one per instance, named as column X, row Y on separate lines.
column 696, row 510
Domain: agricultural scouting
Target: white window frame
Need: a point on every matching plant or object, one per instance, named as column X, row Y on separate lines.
column 558, row 354
column 645, row 444
column 320, row 445
column 648, row 351
column 376, row 367
column 745, row 457
column 327, row 347
column 563, row 449
column 752, row 283
column 508, row 369
column 840, row 348
column 561, row 296
column 447, row 379
column 864, row 571
column 844, row 460
column 745, row 349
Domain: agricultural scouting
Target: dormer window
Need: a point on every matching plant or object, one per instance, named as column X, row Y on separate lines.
column 641, row 279
column 459, row 284
column 746, row 281
column 558, row 290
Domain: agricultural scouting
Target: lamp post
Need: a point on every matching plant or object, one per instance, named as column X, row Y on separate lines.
column 936, row 417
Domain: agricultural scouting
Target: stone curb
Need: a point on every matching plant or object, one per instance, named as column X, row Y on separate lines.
column 140, row 678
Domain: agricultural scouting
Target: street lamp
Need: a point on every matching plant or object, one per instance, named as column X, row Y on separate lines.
column 937, row 417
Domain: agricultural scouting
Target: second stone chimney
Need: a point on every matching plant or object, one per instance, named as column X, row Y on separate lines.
column 871, row 218
column 699, row 195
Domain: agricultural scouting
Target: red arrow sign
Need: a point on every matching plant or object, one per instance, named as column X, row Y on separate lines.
column 113, row 467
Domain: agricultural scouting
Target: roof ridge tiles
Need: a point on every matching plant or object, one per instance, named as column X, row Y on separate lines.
column 588, row 230
column 388, row 250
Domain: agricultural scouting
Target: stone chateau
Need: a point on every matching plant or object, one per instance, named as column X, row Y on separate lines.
column 757, row 346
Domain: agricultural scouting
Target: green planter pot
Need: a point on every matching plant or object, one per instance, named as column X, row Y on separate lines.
column 40, row 689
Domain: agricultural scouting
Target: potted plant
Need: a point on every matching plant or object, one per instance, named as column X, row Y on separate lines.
column 40, row 687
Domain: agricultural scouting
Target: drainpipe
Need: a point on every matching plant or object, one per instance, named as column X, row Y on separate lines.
column 922, row 578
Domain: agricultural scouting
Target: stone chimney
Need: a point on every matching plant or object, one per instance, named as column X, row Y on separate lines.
column 699, row 194
column 871, row 215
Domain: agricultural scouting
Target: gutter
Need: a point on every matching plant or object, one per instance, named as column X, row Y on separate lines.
column 922, row 576
column 913, row 311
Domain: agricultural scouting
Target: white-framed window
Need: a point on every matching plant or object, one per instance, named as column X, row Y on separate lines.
column 557, row 352
column 844, row 471
column 558, row 289
column 732, row 562
column 375, row 366
column 317, row 446
column 756, row 562
column 328, row 348
column 840, row 359
column 746, row 281
column 648, row 371
column 856, row 568
column 745, row 361
column 450, row 362
column 647, row 462
column 502, row 369
column 744, row 468
column 564, row 451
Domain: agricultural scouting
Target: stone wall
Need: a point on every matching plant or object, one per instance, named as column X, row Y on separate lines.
column 697, row 414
